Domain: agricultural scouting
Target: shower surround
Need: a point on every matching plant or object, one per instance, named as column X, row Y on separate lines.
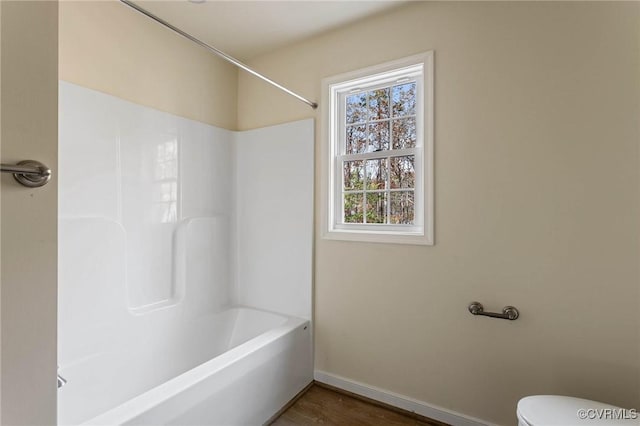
column 184, row 265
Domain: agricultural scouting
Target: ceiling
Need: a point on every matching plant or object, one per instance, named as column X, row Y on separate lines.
column 247, row 28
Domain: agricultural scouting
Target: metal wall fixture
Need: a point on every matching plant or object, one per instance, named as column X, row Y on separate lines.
column 217, row 52
column 30, row 173
column 508, row 312
column 61, row 380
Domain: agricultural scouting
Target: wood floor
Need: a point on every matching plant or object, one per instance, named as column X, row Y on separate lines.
column 320, row 405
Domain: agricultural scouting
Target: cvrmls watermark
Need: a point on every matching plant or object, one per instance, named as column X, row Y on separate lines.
column 607, row 414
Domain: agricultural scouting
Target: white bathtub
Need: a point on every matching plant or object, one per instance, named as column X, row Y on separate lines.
column 238, row 367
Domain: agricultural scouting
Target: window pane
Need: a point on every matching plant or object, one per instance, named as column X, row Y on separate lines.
column 404, row 133
column 353, row 208
column 402, row 208
column 376, row 207
column 356, row 108
column 356, row 139
column 378, row 136
column 377, row 173
column 379, row 104
column 403, row 99
column 353, row 173
column 402, row 172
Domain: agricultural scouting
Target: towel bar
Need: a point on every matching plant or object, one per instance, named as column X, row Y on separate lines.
column 508, row 312
column 29, row 173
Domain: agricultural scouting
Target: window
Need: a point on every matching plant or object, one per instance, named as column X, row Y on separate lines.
column 380, row 153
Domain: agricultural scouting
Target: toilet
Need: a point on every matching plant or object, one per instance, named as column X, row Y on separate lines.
column 548, row 410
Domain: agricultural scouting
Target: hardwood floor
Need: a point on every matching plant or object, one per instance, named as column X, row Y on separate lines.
column 322, row 405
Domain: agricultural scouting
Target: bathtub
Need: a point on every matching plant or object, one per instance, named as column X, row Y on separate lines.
column 237, row 367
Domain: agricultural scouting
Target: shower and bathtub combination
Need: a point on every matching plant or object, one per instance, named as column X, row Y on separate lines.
column 184, row 266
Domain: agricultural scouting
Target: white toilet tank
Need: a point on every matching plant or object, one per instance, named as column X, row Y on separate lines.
column 554, row 410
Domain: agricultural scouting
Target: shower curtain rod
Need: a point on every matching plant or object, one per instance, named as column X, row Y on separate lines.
column 218, row 52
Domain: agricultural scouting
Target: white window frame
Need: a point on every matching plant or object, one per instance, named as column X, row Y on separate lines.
column 334, row 89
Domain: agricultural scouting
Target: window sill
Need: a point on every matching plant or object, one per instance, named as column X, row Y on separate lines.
column 389, row 237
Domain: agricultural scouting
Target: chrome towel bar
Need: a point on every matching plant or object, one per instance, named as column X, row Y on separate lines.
column 508, row 312
column 29, row 173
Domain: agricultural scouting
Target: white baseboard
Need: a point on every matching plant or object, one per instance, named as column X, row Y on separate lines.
column 400, row 401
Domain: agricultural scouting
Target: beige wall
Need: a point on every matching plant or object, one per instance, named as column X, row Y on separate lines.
column 28, row 243
column 537, row 205
column 106, row 46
